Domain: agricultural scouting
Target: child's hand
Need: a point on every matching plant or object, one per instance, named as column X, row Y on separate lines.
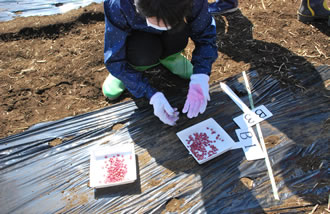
column 163, row 110
column 198, row 95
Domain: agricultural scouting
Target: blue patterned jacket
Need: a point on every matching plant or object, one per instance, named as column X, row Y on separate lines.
column 121, row 18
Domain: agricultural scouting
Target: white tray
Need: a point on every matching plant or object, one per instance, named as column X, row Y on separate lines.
column 209, row 137
column 112, row 165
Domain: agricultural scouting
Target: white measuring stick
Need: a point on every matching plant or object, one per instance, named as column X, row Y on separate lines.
column 262, row 142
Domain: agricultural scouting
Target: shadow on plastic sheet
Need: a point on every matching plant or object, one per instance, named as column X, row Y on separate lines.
column 299, row 130
column 121, row 190
column 181, row 184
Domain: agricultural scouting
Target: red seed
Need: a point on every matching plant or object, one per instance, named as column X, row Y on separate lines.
column 116, row 170
column 198, row 144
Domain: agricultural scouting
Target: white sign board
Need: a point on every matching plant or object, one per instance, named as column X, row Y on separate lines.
column 248, row 120
column 249, row 143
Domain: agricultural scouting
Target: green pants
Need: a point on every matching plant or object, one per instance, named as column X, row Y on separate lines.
column 176, row 63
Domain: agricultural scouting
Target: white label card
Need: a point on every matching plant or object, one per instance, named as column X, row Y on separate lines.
column 249, row 143
column 247, row 120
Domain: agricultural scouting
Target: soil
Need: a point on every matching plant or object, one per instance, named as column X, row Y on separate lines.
column 52, row 67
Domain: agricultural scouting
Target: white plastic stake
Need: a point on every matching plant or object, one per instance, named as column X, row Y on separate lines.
column 262, row 142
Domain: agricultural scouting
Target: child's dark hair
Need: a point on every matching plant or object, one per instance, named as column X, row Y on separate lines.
column 172, row 12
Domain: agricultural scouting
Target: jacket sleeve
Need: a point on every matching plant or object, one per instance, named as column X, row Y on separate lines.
column 203, row 34
column 117, row 30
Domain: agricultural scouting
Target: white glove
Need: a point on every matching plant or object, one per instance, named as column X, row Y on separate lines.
column 163, row 110
column 198, row 95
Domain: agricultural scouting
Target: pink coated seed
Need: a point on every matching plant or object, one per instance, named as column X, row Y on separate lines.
column 198, row 143
column 116, row 170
